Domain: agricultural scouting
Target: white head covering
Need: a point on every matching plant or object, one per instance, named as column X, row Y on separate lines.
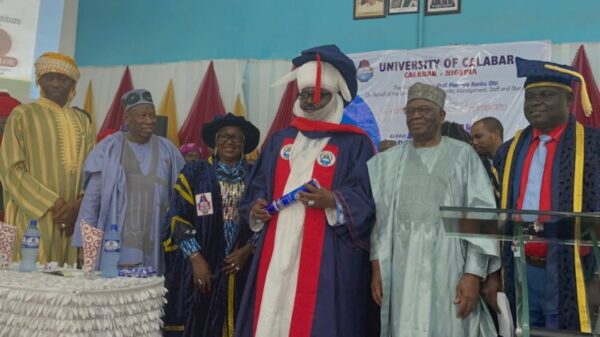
column 331, row 80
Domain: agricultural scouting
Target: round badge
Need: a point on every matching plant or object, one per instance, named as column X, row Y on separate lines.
column 285, row 152
column 364, row 72
column 326, row 158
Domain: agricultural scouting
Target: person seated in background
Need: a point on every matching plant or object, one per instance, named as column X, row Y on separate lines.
column 128, row 180
column 486, row 137
column 190, row 152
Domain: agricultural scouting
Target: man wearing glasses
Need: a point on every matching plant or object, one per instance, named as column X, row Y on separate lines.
column 426, row 283
column 128, row 179
column 310, row 275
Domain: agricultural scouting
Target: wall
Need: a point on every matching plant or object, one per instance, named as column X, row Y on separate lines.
column 68, row 28
column 52, row 27
column 112, row 32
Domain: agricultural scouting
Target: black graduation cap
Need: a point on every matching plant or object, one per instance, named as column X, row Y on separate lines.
column 548, row 74
column 251, row 133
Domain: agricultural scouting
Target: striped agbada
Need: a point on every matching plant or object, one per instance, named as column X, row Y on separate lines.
column 41, row 158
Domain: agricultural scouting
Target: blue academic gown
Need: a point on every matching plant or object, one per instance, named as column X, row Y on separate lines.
column 189, row 312
column 343, row 301
column 560, row 266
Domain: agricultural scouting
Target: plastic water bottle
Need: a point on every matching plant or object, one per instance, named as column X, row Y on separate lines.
column 111, row 252
column 30, row 247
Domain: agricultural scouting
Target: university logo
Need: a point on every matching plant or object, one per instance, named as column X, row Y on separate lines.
column 364, row 72
column 285, row 152
column 326, row 158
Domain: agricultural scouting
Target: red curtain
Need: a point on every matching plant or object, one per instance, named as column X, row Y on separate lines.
column 582, row 64
column 7, row 103
column 206, row 106
column 114, row 116
column 285, row 113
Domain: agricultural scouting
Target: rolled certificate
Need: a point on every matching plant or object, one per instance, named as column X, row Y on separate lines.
column 290, row 198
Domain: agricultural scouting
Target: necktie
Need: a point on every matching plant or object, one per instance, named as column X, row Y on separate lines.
column 535, row 176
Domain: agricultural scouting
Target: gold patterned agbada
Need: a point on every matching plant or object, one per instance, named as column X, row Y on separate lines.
column 41, row 158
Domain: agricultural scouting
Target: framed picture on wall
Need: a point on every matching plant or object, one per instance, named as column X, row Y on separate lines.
column 435, row 7
column 403, row 6
column 368, row 9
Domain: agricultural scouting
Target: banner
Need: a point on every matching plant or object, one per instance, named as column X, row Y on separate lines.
column 479, row 80
column 18, row 26
column 18, row 30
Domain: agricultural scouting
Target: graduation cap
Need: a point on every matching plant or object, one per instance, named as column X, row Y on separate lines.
column 548, row 74
column 324, row 66
column 251, row 132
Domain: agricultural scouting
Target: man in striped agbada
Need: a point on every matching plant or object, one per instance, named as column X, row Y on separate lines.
column 42, row 153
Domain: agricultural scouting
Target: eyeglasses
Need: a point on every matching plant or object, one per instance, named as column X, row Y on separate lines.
column 420, row 110
column 234, row 138
column 303, row 96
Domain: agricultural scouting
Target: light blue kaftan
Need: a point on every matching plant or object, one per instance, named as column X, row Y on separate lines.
column 106, row 185
column 420, row 265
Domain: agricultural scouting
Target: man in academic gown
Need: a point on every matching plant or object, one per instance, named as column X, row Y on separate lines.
column 310, row 275
column 553, row 164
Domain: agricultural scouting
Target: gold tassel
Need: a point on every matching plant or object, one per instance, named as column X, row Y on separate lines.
column 585, row 98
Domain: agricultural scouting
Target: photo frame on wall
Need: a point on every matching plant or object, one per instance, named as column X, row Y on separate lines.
column 369, row 9
column 403, row 6
column 435, row 7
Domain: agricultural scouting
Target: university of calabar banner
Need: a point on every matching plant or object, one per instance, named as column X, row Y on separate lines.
column 479, row 80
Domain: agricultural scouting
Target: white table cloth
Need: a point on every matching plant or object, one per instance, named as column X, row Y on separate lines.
column 39, row 305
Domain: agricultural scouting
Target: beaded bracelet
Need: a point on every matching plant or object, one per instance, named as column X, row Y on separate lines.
column 189, row 246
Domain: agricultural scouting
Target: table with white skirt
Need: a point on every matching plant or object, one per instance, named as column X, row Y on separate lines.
column 38, row 304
